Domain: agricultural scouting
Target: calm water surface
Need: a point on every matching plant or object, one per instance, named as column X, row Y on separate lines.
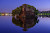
column 7, row 26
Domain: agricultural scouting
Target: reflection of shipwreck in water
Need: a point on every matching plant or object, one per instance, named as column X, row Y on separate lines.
column 25, row 22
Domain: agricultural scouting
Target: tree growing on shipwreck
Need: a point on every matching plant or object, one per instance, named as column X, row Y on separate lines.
column 25, row 11
column 27, row 16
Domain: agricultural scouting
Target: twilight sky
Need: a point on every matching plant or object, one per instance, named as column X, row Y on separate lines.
column 9, row 5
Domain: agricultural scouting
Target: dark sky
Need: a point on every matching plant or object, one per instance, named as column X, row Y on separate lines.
column 9, row 5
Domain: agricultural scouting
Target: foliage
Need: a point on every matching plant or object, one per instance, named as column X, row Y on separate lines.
column 36, row 12
column 16, row 11
column 19, row 9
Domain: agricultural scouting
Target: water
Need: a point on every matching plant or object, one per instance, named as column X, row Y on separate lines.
column 7, row 26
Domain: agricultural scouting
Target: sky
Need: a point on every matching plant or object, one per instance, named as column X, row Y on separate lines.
column 9, row 5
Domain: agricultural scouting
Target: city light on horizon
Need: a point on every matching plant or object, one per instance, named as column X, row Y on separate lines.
column 6, row 14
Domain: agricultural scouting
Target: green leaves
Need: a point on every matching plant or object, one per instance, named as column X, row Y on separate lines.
column 19, row 9
column 16, row 11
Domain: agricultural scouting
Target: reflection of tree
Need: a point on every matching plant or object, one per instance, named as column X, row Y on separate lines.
column 25, row 22
column 16, row 22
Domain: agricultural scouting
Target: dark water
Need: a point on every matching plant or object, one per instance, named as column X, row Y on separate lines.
column 9, row 24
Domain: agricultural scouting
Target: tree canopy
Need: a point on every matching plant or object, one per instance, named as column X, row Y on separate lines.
column 19, row 9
